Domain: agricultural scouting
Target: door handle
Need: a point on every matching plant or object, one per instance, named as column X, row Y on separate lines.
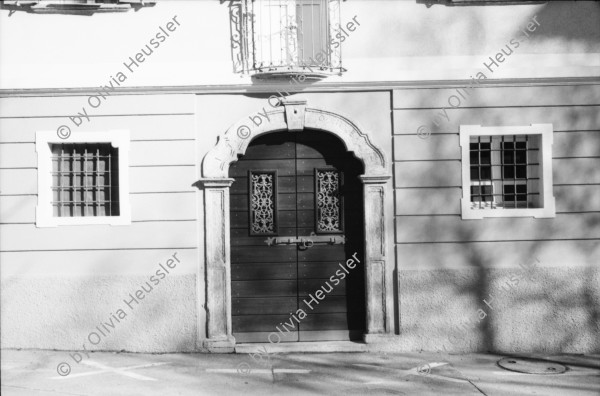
column 306, row 242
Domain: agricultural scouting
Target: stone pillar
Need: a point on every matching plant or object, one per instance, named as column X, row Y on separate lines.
column 217, row 264
column 378, row 285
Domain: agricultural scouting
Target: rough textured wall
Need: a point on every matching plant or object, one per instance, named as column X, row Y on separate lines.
column 551, row 310
column 83, row 313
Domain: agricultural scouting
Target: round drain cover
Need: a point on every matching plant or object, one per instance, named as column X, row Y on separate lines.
column 531, row 366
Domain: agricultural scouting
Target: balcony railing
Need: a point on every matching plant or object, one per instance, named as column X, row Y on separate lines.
column 279, row 38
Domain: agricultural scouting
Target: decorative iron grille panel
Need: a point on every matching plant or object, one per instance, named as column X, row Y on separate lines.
column 263, row 202
column 505, row 171
column 329, row 201
column 85, row 180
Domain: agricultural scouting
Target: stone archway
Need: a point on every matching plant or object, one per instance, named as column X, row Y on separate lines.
column 292, row 116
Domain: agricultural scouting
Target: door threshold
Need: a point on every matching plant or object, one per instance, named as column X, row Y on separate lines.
column 303, row 347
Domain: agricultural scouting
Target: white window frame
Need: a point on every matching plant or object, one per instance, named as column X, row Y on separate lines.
column 119, row 139
column 547, row 209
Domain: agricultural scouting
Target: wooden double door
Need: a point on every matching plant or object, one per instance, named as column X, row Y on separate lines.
column 297, row 240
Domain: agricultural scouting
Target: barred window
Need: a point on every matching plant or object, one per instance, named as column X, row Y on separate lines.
column 507, row 171
column 85, row 180
column 504, row 171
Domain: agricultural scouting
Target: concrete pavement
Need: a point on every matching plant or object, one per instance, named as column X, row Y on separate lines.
column 31, row 372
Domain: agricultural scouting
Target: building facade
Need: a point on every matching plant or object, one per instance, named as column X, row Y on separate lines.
column 193, row 176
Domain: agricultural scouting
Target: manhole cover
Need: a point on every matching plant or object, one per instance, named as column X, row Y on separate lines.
column 531, row 366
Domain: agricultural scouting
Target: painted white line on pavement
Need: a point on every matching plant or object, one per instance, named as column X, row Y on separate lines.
column 117, row 370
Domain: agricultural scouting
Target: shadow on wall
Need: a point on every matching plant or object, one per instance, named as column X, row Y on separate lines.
column 577, row 22
column 566, row 20
column 558, row 309
column 483, row 307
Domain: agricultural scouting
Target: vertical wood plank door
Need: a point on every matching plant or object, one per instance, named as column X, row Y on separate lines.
column 290, row 186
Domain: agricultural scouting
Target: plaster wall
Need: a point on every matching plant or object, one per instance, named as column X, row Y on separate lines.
column 60, row 283
column 450, row 268
column 396, row 41
column 82, row 313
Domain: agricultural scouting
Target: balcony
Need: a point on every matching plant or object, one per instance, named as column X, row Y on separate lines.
column 285, row 38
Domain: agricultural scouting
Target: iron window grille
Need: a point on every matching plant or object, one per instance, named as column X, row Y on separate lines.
column 507, row 171
column 504, row 171
column 273, row 38
column 85, row 180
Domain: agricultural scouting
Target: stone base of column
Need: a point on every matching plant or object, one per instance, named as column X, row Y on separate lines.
column 220, row 345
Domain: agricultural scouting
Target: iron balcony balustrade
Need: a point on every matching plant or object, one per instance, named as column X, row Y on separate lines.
column 286, row 38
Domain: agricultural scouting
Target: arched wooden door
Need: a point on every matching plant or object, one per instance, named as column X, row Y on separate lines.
column 297, row 240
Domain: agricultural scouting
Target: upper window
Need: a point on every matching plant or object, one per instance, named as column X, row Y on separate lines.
column 280, row 37
column 83, row 179
column 507, row 171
